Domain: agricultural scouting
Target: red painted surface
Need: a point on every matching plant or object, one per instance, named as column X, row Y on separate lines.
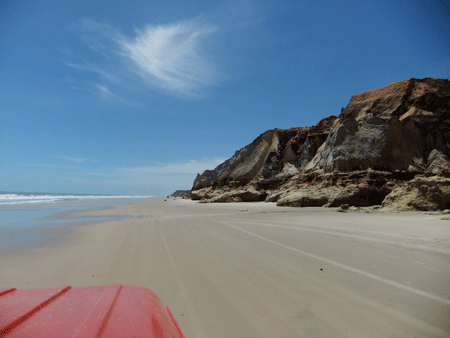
column 99, row 311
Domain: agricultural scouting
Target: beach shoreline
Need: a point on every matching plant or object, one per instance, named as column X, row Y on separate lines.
column 235, row 264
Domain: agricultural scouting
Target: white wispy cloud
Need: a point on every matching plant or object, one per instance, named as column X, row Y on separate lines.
column 73, row 159
column 159, row 179
column 97, row 36
column 103, row 91
column 189, row 167
column 98, row 174
column 94, row 69
column 47, row 166
column 170, row 56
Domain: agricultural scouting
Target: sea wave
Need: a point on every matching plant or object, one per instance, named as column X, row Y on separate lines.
column 12, row 199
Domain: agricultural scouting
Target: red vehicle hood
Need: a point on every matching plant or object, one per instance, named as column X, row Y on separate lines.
column 98, row 311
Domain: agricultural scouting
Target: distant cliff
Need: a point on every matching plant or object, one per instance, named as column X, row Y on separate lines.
column 180, row 193
column 378, row 143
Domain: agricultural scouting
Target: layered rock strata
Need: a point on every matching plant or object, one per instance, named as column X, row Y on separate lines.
column 374, row 153
column 276, row 153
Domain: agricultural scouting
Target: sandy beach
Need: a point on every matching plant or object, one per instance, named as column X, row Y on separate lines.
column 257, row 270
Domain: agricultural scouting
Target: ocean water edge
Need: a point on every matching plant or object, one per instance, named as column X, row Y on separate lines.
column 23, row 215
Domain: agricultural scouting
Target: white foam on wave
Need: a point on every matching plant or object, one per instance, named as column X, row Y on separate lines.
column 12, row 199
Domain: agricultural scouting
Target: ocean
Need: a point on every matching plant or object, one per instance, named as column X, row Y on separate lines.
column 18, row 198
column 22, row 215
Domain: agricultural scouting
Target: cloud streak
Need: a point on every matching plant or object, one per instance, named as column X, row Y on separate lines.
column 184, row 168
column 68, row 158
column 94, row 69
column 103, row 91
column 156, row 180
column 74, row 159
column 47, row 166
column 170, row 57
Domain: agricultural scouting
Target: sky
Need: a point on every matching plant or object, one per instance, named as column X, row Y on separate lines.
column 137, row 97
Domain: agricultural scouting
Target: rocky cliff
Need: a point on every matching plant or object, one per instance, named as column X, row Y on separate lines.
column 377, row 145
column 180, row 193
column 393, row 128
column 275, row 153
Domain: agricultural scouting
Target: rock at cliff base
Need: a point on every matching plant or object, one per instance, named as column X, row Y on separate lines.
column 274, row 196
column 438, row 162
column 250, row 194
column 199, row 194
column 307, row 197
column 356, row 195
column 205, row 193
column 421, row 193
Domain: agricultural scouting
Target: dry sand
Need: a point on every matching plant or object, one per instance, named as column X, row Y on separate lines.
column 257, row 270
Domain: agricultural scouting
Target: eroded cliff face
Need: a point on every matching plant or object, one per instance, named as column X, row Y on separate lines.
column 393, row 128
column 381, row 140
column 277, row 152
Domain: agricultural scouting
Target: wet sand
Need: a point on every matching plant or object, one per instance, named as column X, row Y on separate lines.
column 257, row 270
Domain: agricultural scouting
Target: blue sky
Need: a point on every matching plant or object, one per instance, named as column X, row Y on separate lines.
column 137, row 97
